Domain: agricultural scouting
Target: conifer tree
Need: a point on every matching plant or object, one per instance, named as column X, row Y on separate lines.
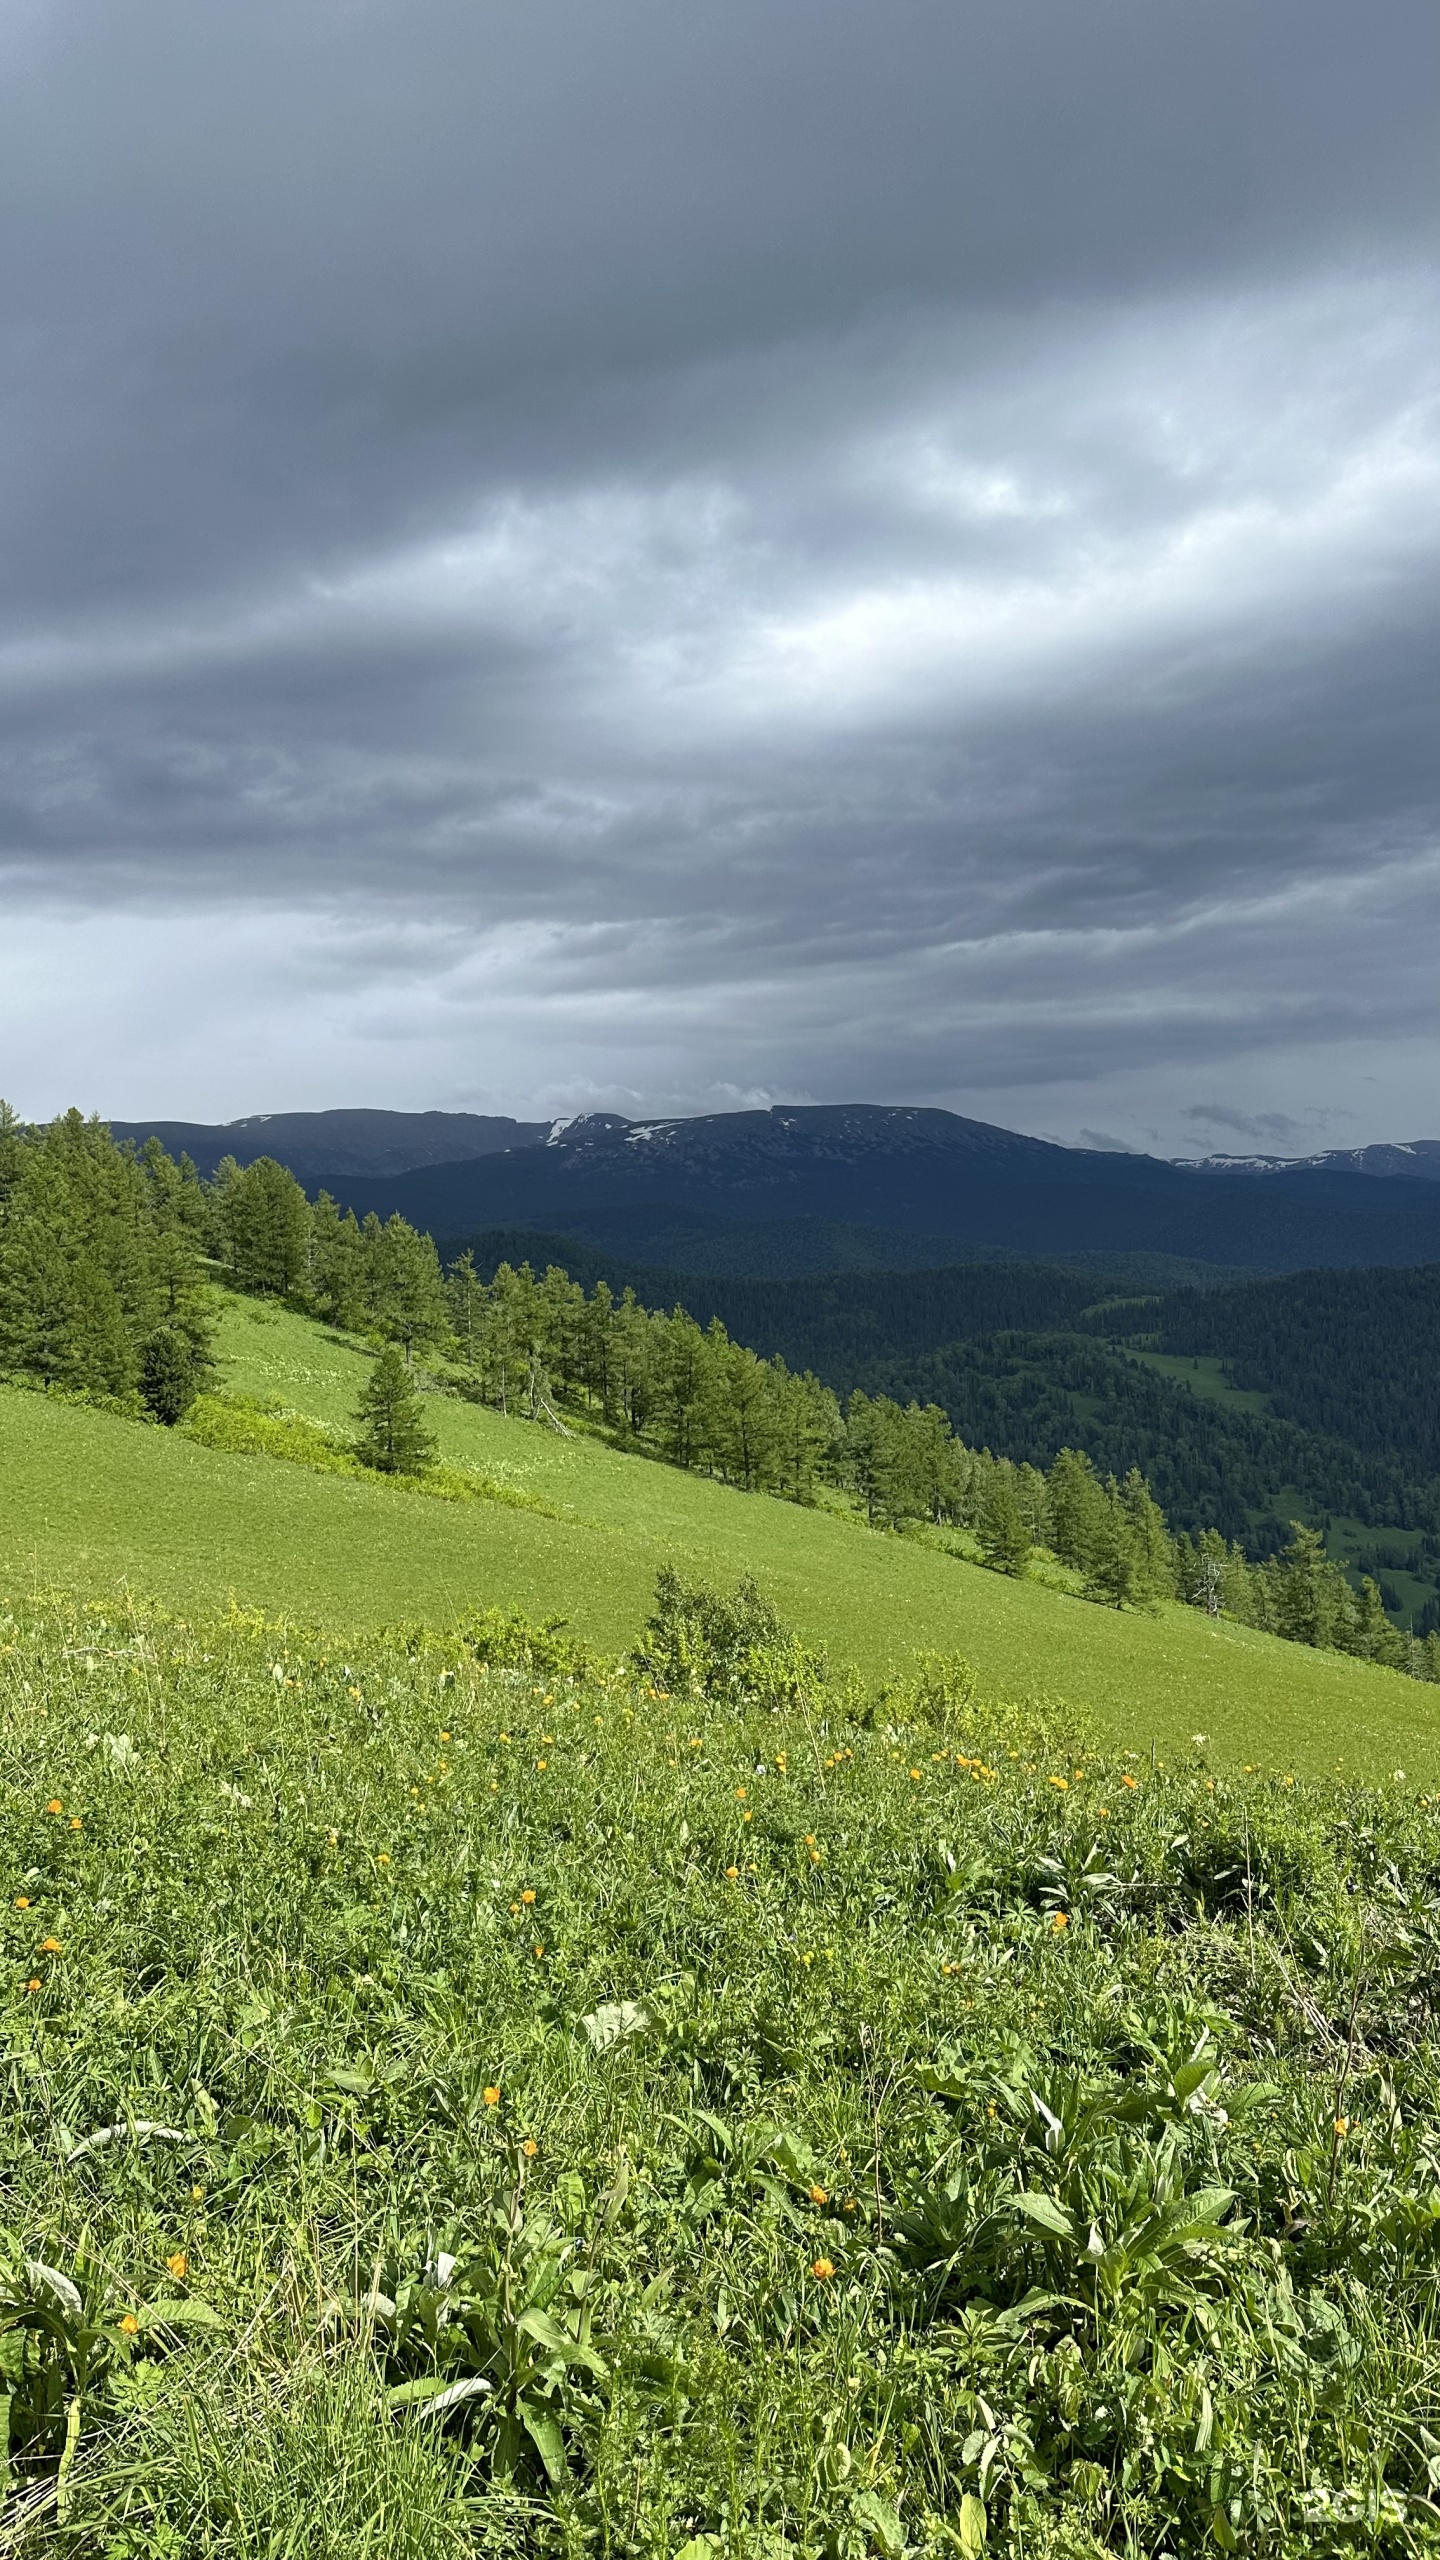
column 393, row 1438
column 1002, row 1530
column 169, row 1373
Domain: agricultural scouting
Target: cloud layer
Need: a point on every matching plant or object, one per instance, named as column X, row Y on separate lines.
column 666, row 558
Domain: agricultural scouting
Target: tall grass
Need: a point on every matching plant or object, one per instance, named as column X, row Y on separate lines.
column 544, row 2114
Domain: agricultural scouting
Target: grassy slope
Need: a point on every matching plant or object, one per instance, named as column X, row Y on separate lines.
column 338, row 1929
column 88, row 1502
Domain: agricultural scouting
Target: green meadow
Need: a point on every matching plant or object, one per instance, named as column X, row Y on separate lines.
column 92, row 1503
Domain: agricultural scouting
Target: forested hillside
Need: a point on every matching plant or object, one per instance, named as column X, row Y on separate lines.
column 1353, row 1353
column 971, row 1399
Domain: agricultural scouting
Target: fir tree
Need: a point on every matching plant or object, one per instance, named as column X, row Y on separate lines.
column 393, row 1436
column 1002, row 1530
column 169, row 1373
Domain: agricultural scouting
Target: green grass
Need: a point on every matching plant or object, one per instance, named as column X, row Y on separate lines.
column 90, row 1502
column 963, row 2175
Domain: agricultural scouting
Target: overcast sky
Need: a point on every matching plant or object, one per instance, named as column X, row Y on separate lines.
column 670, row 553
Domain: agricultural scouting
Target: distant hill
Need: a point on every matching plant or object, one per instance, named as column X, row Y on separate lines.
column 1416, row 1160
column 319, row 1144
column 953, row 1181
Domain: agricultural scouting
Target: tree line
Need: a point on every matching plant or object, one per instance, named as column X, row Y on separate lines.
column 103, row 1255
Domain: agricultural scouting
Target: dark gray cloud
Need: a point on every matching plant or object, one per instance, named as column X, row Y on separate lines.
column 661, row 557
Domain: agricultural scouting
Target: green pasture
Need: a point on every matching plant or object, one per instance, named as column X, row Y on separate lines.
column 90, row 1503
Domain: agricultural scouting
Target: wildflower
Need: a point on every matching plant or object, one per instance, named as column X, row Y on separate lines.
column 1062, row 1783
column 384, row 1858
column 177, row 2266
column 530, row 2148
column 542, row 1764
column 1126, row 1780
column 34, row 1983
column 49, row 1946
column 529, row 1893
column 1104, row 1812
column 1342, row 2127
column 22, row 1901
column 130, row 2325
column 75, row 1822
column 538, row 1951
column 915, row 1775
column 55, row 1805
column 732, row 1873
column 809, row 1839
column 824, row 2268
column 1061, row 1920
column 444, row 1737
column 197, row 2195
column 819, row 2195
column 504, row 1737
column 747, row 1815
column 334, row 1839
column 491, row 2097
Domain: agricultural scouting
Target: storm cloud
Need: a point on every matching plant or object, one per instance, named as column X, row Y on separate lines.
column 665, row 556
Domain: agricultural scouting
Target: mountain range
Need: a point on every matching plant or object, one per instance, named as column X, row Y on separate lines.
column 908, row 1176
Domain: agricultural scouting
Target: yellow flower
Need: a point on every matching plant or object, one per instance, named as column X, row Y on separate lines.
column 732, row 1873
column 334, row 1839
column 1062, row 1783
column 197, row 2195
column 824, row 2268
column 915, row 1774
column 851, row 2205
column 130, row 2325
column 742, row 1793
column 539, row 1951
column 819, row 2195
column 747, row 1815
column 34, row 1982
column 444, row 1737
column 75, row 1822
column 384, row 1858
column 49, row 1946
column 529, row 1894
column 1061, row 1920
column 504, row 1737
column 22, row 1901
column 55, row 1806
column 1342, row 2127
column 542, row 1764
column 1127, row 1781
column 177, row 2266
column 530, row 2149
column 491, row 2097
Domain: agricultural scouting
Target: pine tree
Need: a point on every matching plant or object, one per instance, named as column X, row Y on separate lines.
column 169, row 1373
column 1004, row 1536
column 264, row 1220
column 394, row 1438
